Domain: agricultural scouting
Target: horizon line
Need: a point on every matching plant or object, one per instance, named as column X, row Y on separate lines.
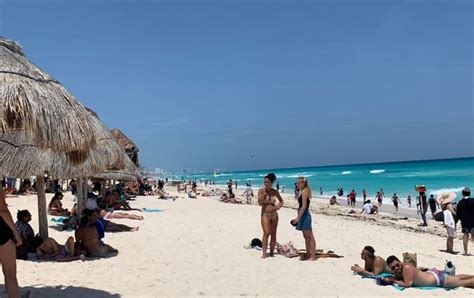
column 336, row 165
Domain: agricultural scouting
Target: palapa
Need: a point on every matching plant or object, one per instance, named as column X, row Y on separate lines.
column 128, row 145
column 33, row 101
column 21, row 158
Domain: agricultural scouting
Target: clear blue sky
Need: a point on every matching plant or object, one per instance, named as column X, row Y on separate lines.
column 203, row 84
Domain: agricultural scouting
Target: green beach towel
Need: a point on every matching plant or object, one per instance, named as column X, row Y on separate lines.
column 398, row 287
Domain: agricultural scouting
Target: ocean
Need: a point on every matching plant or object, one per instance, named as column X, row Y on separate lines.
column 399, row 177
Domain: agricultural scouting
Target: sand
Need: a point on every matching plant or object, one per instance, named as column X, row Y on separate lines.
column 196, row 247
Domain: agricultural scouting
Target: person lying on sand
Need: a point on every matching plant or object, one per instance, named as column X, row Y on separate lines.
column 111, row 214
column 50, row 249
column 407, row 275
column 88, row 238
column 374, row 265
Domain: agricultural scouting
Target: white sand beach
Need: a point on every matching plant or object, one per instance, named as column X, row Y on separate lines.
column 196, row 247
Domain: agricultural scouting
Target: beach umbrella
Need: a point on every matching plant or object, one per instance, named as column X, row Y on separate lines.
column 129, row 173
column 34, row 102
column 21, row 158
column 129, row 146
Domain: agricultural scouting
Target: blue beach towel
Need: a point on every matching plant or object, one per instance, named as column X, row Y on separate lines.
column 398, row 287
column 153, row 210
column 58, row 219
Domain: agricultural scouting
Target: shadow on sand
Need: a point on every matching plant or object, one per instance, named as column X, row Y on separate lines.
column 40, row 291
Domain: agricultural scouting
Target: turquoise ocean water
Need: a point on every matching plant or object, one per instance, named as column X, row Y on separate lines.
column 400, row 177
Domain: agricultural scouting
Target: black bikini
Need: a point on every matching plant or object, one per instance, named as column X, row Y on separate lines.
column 5, row 232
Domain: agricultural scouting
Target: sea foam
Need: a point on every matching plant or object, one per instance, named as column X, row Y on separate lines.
column 376, row 171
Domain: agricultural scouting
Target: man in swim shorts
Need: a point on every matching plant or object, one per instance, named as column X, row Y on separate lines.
column 407, row 275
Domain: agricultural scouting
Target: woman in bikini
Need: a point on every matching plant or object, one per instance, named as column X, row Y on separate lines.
column 55, row 207
column 303, row 221
column 267, row 197
column 9, row 238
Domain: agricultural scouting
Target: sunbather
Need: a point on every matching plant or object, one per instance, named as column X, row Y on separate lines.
column 111, row 214
column 50, row 249
column 407, row 275
column 55, row 207
column 88, row 238
column 374, row 265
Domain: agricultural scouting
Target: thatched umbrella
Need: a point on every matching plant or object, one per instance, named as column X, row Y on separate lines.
column 128, row 145
column 129, row 173
column 33, row 101
column 21, row 158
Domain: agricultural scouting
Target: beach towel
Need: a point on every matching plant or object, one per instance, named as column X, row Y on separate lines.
column 379, row 281
column 58, row 219
column 153, row 210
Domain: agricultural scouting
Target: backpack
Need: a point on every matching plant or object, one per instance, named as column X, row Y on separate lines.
column 71, row 223
column 439, row 216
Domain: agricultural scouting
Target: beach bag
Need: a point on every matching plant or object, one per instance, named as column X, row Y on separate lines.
column 410, row 258
column 256, row 243
column 439, row 216
column 71, row 223
column 287, row 250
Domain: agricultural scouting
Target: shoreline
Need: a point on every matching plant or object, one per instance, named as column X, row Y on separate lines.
column 406, row 219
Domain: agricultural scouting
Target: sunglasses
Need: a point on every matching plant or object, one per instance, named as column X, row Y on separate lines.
column 396, row 266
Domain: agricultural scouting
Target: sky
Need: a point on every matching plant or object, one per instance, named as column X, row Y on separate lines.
column 205, row 85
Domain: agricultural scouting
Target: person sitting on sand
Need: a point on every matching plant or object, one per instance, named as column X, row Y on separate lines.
column 116, row 202
column 267, row 197
column 88, row 239
column 374, row 265
column 26, row 231
column 407, row 275
column 52, row 250
column 95, row 216
column 333, row 201
column 55, row 207
column 368, row 208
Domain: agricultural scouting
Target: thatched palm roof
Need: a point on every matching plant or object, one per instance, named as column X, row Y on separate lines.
column 128, row 145
column 129, row 173
column 22, row 158
column 33, row 101
column 124, row 140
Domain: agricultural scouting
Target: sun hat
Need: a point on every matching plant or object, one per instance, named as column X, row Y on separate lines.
column 446, row 197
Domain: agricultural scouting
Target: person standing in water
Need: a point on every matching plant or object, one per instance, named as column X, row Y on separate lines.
column 409, row 201
column 267, row 197
column 303, row 221
column 395, row 201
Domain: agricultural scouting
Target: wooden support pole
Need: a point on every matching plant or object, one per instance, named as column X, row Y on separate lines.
column 42, row 211
column 80, row 197
column 86, row 189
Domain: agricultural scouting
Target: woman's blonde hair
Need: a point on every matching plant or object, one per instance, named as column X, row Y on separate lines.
column 306, row 184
